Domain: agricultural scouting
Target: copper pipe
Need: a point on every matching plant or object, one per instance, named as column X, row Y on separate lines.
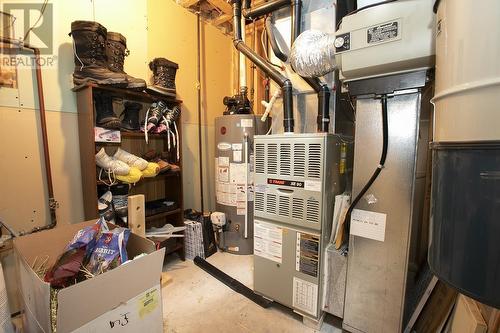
column 43, row 125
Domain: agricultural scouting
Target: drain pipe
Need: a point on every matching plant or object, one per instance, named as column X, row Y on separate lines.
column 45, row 141
column 253, row 13
column 280, row 79
column 321, row 89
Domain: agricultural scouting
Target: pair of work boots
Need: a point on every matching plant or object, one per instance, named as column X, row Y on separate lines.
column 100, row 56
column 105, row 116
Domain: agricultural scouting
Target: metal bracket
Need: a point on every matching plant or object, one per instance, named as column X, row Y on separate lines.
column 53, row 204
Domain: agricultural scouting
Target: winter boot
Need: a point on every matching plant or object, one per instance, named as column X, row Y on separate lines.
column 163, row 76
column 104, row 115
column 120, row 202
column 116, row 51
column 130, row 114
column 89, row 47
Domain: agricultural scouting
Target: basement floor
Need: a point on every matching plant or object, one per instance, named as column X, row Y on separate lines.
column 196, row 302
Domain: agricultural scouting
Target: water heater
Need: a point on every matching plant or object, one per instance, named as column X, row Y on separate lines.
column 234, row 178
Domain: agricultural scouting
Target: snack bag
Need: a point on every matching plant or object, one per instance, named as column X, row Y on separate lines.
column 110, row 251
column 65, row 270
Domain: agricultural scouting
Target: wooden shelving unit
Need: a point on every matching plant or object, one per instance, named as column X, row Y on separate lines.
column 166, row 185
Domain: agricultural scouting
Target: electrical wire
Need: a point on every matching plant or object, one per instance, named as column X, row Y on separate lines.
column 383, row 156
column 42, row 11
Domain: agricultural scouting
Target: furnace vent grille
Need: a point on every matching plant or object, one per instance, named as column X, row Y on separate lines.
column 312, row 212
column 314, row 165
column 299, row 160
column 298, row 208
column 285, row 159
column 260, row 158
column 259, row 201
column 272, row 159
column 284, row 206
column 271, row 203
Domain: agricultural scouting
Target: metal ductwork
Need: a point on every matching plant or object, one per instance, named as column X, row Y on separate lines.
column 280, row 79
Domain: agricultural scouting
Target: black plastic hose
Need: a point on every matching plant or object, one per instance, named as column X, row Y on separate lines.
column 272, row 39
column 383, row 156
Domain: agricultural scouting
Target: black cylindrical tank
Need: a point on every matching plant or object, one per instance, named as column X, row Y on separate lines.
column 465, row 218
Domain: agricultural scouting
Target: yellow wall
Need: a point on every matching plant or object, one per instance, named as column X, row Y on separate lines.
column 172, row 33
column 153, row 28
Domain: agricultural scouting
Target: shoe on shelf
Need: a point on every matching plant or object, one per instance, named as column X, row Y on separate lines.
column 89, row 49
column 130, row 121
column 110, row 164
column 104, row 114
column 154, row 115
column 152, row 156
column 152, row 170
column 120, row 201
column 132, row 177
column 164, row 72
column 130, row 159
column 105, row 207
column 116, row 51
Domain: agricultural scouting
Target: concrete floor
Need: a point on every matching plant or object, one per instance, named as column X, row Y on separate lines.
column 196, row 302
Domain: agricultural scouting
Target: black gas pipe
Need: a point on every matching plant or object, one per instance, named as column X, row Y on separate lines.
column 276, row 76
column 321, row 89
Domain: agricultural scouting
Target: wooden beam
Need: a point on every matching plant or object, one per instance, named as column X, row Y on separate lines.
column 221, row 19
column 222, row 5
column 187, row 3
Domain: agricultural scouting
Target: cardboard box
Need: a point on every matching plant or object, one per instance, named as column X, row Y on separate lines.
column 97, row 300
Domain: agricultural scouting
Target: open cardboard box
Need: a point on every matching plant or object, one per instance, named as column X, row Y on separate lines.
column 83, row 303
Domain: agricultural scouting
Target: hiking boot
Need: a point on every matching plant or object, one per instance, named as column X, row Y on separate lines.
column 130, row 114
column 164, row 72
column 111, row 165
column 89, row 48
column 116, row 51
column 104, row 114
column 130, row 159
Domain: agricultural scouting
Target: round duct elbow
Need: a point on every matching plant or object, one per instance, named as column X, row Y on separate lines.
column 312, row 54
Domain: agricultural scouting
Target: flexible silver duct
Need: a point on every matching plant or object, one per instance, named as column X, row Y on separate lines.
column 312, row 54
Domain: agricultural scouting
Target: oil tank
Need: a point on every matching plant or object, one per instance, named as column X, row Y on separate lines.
column 465, row 202
column 234, row 178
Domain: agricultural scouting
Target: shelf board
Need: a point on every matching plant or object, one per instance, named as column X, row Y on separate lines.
column 158, row 176
column 129, row 94
column 164, row 214
column 140, row 135
column 174, row 249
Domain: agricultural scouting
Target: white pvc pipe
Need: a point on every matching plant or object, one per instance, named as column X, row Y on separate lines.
column 246, row 186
